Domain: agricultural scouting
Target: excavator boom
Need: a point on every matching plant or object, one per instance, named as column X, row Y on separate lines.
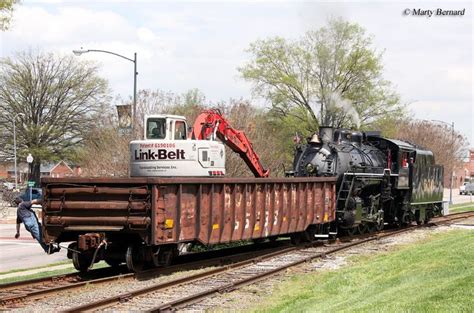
column 211, row 123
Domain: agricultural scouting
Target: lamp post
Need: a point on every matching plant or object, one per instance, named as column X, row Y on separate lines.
column 14, row 145
column 452, row 172
column 135, row 73
column 29, row 159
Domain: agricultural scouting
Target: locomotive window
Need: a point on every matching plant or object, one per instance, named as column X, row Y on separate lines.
column 405, row 159
column 155, row 128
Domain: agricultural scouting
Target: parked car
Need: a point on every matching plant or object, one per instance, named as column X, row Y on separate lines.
column 469, row 189
column 462, row 188
column 36, row 193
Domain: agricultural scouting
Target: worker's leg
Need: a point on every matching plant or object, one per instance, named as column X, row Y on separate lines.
column 31, row 225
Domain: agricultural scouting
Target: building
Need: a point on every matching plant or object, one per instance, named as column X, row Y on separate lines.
column 463, row 174
column 60, row 169
column 469, row 165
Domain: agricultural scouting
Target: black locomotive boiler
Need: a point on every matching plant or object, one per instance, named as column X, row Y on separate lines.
column 379, row 180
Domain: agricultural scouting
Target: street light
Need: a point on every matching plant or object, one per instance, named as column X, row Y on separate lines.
column 14, row 144
column 452, row 172
column 29, row 159
column 135, row 73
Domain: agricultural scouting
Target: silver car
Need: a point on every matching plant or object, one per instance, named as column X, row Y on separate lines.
column 469, row 190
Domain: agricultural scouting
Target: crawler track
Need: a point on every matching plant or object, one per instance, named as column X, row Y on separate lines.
column 182, row 292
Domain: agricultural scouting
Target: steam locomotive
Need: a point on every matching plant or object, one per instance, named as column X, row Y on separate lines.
column 379, row 180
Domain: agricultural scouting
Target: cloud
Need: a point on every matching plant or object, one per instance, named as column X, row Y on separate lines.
column 183, row 45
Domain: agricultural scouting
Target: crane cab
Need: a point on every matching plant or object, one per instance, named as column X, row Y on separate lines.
column 167, row 151
column 165, row 127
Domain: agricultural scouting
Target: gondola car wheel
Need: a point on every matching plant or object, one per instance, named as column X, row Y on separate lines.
column 134, row 257
column 81, row 261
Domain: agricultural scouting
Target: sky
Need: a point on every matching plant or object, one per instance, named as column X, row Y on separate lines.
column 182, row 45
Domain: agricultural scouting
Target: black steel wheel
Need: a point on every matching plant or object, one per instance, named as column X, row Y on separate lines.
column 134, row 257
column 351, row 231
column 362, row 228
column 372, row 228
column 164, row 255
column 379, row 225
column 113, row 262
column 296, row 238
column 81, row 261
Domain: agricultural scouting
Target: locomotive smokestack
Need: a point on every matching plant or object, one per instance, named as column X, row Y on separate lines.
column 326, row 133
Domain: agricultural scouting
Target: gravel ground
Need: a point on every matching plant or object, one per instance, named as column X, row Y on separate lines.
column 239, row 300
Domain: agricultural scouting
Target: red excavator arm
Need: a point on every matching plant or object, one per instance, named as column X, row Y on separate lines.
column 212, row 122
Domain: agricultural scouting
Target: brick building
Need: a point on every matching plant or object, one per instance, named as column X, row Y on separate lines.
column 469, row 166
column 466, row 173
column 60, row 169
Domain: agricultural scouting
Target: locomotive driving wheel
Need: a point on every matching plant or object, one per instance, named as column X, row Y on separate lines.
column 362, row 228
column 351, row 231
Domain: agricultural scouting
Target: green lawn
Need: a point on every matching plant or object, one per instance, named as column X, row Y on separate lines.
column 435, row 275
column 44, row 271
column 461, row 207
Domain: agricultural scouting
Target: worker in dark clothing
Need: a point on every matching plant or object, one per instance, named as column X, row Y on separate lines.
column 27, row 216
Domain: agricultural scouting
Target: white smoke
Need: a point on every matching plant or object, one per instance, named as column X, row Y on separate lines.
column 336, row 101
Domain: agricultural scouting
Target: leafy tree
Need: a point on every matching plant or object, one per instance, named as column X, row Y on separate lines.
column 333, row 75
column 6, row 11
column 55, row 99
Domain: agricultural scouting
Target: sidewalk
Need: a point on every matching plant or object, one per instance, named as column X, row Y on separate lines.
column 24, row 252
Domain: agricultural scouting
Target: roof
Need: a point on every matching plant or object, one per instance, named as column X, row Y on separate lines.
column 44, row 168
column 402, row 144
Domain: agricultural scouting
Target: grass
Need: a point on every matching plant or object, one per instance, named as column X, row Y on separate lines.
column 34, row 268
column 461, row 207
column 44, row 272
column 434, row 275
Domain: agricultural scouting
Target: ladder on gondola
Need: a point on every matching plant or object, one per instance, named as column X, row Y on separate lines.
column 345, row 190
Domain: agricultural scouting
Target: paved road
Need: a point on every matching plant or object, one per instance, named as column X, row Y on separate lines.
column 457, row 198
column 24, row 252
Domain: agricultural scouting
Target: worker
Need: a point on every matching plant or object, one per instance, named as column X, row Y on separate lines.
column 27, row 216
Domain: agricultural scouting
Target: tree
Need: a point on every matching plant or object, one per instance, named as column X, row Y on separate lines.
column 6, row 11
column 257, row 126
column 333, row 75
column 55, row 99
column 447, row 145
column 105, row 151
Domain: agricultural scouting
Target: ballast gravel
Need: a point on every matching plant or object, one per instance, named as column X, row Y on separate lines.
column 239, row 300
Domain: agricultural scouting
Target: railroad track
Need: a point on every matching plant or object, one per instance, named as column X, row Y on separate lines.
column 182, row 292
column 17, row 294
column 14, row 294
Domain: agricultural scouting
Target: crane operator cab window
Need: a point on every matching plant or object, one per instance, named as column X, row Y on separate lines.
column 180, row 130
column 156, row 128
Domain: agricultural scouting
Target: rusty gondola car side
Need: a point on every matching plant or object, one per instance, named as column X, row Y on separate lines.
column 151, row 216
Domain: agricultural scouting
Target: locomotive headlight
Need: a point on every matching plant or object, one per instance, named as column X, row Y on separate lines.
column 310, row 168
